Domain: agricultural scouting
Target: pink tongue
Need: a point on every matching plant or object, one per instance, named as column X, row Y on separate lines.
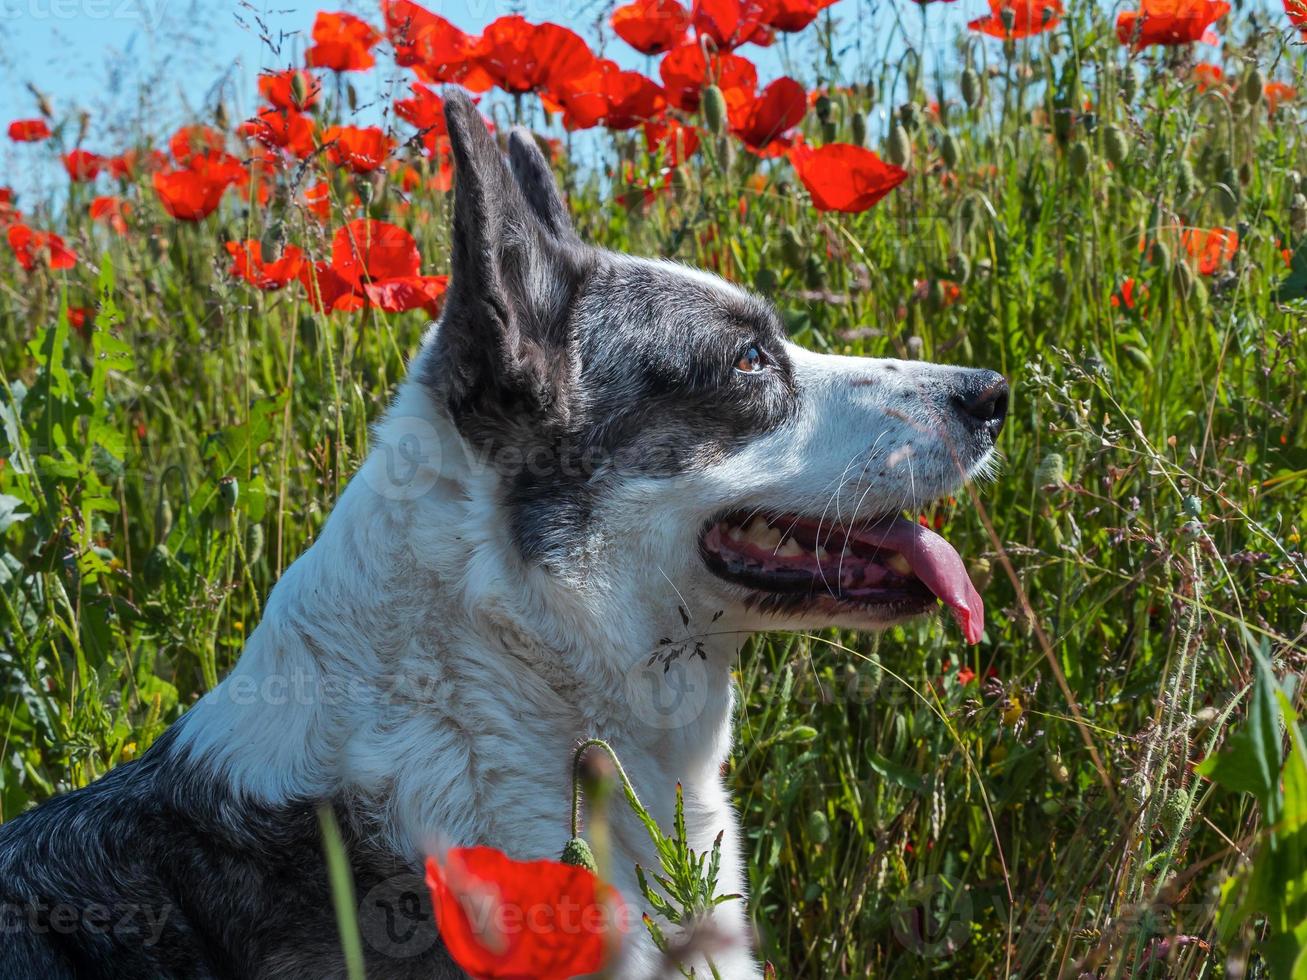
column 939, row 566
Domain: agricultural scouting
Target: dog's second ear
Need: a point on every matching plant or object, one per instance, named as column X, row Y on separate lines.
column 503, row 335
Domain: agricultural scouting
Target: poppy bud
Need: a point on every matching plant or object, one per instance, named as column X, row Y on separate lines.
column 1138, row 357
column 1051, row 471
column 898, row 150
column 351, row 97
column 1080, row 159
column 765, row 280
column 971, row 87
column 1193, row 506
column 1056, row 767
column 959, row 267
column 1161, row 255
column 792, row 249
column 1254, row 84
column 1185, row 180
column 714, row 109
column 299, row 89
column 981, row 573
column 950, row 151
column 858, row 126
column 830, row 132
column 1116, row 146
column 229, row 491
column 1298, row 215
column 818, row 827
column 1129, row 87
column 162, row 519
column 253, row 544
column 1183, row 277
column 823, row 107
column 814, row 273
column 1227, row 198
column 1175, row 812
column 910, row 116
column 577, row 853
column 156, row 565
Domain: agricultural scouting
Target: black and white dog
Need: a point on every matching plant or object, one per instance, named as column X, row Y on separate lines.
column 602, row 475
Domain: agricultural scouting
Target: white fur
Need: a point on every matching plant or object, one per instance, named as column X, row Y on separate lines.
column 433, row 675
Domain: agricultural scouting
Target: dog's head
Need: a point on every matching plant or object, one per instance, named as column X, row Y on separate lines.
column 655, row 436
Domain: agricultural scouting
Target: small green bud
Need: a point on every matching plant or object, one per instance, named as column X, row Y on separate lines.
column 830, row 132
column 577, row 853
column 1193, row 506
column 156, row 565
column 1226, row 196
column 950, row 151
column 1254, row 84
column 1057, row 768
column 1116, row 147
column 1138, row 357
column 713, row 104
column 981, row 573
column 823, row 107
column 1080, row 159
column 1051, row 471
column 910, row 116
column 959, row 267
column 1161, row 255
column 818, row 827
column 1129, row 87
column 1183, row 277
column 898, row 150
column 1174, row 813
column 229, row 491
column 972, row 91
column 162, row 519
column 253, row 543
column 858, row 127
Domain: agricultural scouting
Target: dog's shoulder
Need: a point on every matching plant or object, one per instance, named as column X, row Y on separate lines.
column 157, row 870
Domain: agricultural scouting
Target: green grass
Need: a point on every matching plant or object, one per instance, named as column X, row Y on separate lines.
column 1142, row 540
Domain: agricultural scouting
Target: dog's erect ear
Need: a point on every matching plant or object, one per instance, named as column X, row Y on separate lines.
column 504, row 329
column 536, row 180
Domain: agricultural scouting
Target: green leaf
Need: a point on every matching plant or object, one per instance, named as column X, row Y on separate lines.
column 1294, row 285
column 1250, row 761
column 9, row 512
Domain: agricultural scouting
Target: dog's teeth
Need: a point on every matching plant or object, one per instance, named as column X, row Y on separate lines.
column 821, row 553
column 762, row 536
column 899, row 565
column 790, row 549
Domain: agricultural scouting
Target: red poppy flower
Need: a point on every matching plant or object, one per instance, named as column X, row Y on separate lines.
column 31, row 247
column 1130, row 294
column 1208, row 76
column 441, row 153
column 676, row 141
column 1297, row 11
column 1277, row 92
column 1028, row 17
column 522, row 57
column 129, row 163
column 792, row 16
column 731, row 23
column 761, row 122
column 82, row 165
column 1212, row 247
column 844, row 177
column 1170, row 22
column 78, row 317
column 360, row 148
column 317, row 199
column 191, row 141
column 433, row 47
column 686, row 72
column 248, row 264
column 607, row 95
column 481, row 897
column 425, row 110
column 283, row 129
column 294, row 89
column 29, row 130
column 341, row 42
column 373, row 263
column 651, row 26
column 193, row 192
column 112, row 211
column 965, row 675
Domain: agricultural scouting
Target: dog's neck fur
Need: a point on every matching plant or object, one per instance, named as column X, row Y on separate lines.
column 452, row 716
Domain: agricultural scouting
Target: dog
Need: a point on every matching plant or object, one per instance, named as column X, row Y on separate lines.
column 601, row 475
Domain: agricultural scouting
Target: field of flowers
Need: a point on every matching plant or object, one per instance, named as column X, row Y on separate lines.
column 1110, row 207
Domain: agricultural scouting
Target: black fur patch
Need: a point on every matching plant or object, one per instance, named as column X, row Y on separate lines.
column 155, row 871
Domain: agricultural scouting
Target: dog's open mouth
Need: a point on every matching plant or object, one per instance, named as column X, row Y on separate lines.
column 890, row 569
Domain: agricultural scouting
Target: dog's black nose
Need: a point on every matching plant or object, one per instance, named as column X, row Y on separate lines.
column 982, row 401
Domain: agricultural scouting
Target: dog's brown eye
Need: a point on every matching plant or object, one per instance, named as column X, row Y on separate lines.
column 750, row 362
